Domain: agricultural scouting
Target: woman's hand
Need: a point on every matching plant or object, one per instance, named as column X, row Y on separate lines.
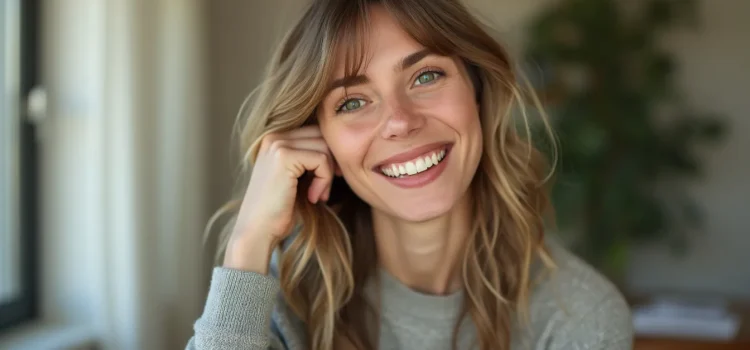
column 267, row 211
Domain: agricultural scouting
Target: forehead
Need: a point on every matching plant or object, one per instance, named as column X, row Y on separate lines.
column 381, row 42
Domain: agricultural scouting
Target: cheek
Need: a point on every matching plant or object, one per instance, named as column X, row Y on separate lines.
column 454, row 105
column 462, row 115
column 348, row 145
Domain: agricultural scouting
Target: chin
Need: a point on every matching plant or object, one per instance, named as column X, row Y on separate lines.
column 424, row 211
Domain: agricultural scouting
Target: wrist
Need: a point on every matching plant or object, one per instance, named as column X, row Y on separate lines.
column 250, row 255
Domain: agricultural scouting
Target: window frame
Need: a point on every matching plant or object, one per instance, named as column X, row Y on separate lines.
column 25, row 307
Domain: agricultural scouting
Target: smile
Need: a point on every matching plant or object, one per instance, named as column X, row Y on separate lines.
column 414, row 166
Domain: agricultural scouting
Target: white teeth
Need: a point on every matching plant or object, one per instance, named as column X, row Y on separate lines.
column 411, row 169
column 414, row 167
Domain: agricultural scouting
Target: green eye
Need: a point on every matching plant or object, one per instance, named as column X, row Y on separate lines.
column 427, row 77
column 351, row 105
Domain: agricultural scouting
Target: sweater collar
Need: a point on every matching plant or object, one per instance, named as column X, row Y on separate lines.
column 395, row 297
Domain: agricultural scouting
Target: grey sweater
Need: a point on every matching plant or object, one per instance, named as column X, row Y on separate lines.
column 573, row 308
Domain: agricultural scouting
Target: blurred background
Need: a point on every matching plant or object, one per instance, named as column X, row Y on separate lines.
column 115, row 148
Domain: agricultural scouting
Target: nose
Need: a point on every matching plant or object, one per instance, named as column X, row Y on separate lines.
column 401, row 120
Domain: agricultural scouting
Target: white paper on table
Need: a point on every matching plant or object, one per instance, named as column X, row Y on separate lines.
column 704, row 319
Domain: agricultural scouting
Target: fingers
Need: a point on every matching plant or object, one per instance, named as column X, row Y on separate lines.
column 311, row 144
column 302, row 150
column 320, row 165
column 327, row 192
column 306, row 132
column 317, row 190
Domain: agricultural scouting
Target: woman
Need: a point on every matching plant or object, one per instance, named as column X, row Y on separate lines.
column 407, row 208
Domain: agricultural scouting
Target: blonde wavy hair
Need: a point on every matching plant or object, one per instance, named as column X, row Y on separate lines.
column 323, row 269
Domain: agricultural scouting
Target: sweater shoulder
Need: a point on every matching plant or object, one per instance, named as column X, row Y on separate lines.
column 575, row 304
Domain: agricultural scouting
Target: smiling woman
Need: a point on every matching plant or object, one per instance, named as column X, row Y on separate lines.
column 407, row 207
column 412, row 105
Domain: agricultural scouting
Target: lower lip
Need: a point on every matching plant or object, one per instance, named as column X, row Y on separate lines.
column 422, row 179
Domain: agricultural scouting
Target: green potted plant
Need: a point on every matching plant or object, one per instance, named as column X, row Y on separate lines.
column 627, row 140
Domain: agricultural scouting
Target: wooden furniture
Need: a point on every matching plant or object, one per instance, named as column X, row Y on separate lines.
column 675, row 344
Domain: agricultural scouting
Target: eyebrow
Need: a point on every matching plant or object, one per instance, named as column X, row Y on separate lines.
column 406, row 62
column 413, row 59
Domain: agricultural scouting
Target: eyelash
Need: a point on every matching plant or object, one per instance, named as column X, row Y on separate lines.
column 439, row 72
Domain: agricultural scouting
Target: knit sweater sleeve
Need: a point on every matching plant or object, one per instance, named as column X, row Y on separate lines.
column 238, row 313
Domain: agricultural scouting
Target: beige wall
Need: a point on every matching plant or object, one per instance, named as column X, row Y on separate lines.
column 715, row 64
column 241, row 37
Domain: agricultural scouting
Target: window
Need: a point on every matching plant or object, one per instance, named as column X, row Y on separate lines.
column 18, row 67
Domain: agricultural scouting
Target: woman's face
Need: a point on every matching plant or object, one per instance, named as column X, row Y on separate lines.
column 405, row 132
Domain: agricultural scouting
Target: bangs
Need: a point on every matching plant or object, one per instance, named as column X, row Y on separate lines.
column 351, row 37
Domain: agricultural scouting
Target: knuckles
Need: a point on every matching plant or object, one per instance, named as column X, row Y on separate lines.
column 268, row 141
column 276, row 147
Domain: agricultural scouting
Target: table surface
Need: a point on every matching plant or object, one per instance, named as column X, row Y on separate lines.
column 741, row 342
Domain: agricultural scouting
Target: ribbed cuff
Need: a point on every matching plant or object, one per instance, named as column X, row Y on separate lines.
column 239, row 302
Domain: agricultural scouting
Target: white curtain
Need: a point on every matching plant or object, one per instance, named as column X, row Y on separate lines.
column 123, row 181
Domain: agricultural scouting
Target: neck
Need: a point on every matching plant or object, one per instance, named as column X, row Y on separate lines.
column 425, row 256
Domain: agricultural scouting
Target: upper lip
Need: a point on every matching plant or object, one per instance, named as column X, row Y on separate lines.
column 413, row 153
